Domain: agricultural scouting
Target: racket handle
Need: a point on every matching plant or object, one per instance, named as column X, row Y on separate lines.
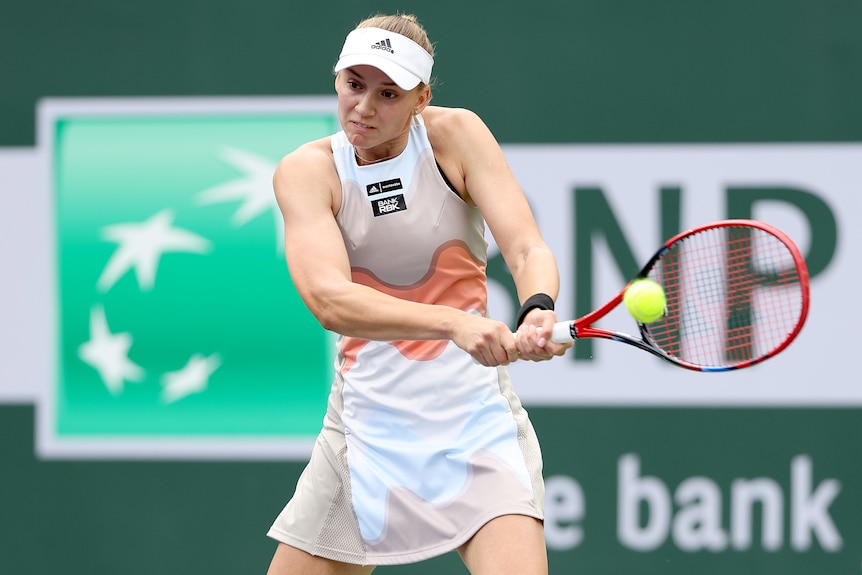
column 562, row 332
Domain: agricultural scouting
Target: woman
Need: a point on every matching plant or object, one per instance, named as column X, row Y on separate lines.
column 425, row 447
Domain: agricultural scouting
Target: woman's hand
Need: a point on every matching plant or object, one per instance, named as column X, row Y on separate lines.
column 490, row 342
column 534, row 337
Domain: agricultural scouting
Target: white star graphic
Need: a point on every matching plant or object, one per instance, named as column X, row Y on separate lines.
column 254, row 190
column 141, row 245
column 193, row 378
column 108, row 353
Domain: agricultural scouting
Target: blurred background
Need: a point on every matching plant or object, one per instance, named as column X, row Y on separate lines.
column 718, row 483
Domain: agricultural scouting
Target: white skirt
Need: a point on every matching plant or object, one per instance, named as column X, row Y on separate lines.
column 390, row 498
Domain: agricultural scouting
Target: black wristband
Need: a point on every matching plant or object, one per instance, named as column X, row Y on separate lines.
column 539, row 300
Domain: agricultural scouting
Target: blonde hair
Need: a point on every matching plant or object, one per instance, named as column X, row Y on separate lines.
column 404, row 24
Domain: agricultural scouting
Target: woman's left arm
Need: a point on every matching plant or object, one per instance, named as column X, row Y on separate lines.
column 490, row 184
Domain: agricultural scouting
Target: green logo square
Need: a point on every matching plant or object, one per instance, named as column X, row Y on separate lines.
column 176, row 317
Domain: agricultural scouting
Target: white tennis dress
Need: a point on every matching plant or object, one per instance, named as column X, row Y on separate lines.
column 421, row 445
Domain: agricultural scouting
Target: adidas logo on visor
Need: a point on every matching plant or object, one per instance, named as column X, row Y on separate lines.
column 383, row 45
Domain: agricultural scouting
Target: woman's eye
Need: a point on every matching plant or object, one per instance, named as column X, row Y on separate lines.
column 389, row 95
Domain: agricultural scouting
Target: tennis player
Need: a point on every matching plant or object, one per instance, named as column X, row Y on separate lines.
column 425, row 447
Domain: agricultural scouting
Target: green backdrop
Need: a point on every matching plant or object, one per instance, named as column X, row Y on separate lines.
column 564, row 71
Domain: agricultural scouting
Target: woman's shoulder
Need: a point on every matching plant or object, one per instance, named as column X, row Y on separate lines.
column 453, row 128
column 314, row 155
column 311, row 164
column 316, row 149
column 441, row 117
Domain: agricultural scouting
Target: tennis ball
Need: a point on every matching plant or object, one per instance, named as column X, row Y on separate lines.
column 645, row 300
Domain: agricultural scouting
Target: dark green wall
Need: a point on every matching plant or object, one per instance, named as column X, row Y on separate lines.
column 565, row 71
column 547, row 71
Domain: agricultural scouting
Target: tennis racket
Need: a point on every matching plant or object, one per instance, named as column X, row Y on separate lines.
column 737, row 293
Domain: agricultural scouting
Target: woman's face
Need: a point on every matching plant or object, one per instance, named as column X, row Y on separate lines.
column 372, row 109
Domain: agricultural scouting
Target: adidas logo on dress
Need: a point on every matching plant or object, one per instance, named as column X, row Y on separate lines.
column 383, row 45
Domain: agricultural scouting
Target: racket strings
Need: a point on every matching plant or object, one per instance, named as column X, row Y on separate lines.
column 734, row 295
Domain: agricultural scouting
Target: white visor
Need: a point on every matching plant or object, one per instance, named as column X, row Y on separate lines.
column 397, row 56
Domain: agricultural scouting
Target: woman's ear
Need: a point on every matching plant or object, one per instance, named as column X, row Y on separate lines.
column 424, row 99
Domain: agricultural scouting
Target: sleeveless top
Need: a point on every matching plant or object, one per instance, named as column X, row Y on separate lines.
column 436, row 443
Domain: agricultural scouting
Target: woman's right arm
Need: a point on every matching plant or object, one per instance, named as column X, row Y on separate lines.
column 307, row 189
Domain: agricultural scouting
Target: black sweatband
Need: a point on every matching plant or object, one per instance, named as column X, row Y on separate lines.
column 539, row 300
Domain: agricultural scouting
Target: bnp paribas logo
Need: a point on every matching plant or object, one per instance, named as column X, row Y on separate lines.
column 179, row 332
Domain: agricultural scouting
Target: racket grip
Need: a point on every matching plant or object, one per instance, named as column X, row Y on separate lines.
column 562, row 332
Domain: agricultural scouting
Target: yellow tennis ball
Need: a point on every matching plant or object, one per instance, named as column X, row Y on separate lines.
column 645, row 300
